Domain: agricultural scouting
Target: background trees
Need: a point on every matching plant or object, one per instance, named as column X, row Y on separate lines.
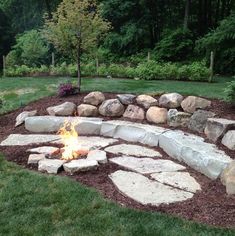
column 168, row 29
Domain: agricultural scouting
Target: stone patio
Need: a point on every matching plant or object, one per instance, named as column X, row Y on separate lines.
column 149, row 179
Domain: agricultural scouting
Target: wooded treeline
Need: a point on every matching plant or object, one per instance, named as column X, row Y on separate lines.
column 137, row 25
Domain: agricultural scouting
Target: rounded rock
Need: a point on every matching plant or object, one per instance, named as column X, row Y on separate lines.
column 146, row 101
column 170, row 100
column 86, row 110
column 156, row 115
column 94, row 98
column 111, row 107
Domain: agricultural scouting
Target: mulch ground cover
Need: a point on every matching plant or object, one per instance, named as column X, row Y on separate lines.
column 210, row 206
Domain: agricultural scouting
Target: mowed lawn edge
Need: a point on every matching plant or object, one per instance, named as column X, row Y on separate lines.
column 16, row 92
column 38, row 204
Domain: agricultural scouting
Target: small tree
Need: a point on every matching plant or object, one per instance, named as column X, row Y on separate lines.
column 76, row 27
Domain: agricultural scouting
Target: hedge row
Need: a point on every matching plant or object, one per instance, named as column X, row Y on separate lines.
column 150, row 70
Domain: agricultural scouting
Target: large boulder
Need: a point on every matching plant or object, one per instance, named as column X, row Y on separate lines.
column 146, row 101
column 126, row 99
column 156, row 115
column 229, row 139
column 65, row 109
column 192, row 103
column 170, row 100
column 87, row 110
column 111, row 107
column 177, row 118
column 134, row 112
column 94, row 98
column 198, row 120
column 22, row 116
column 228, row 178
column 217, row 127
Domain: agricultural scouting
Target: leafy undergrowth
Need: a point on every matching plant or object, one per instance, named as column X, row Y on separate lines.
column 38, row 204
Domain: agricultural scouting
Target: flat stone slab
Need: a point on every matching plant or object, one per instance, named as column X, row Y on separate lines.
column 27, row 139
column 51, row 166
column 44, row 150
column 132, row 150
column 146, row 165
column 35, row 158
column 182, row 180
column 80, row 165
column 132, row 132
column 146, row 191
column 97, row 155
column 192, row 150
column 42, row 124
column 92, row 142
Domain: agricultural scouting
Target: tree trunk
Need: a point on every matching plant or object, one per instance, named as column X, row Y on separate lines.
column 79, row 64
column 200, row 25
column 217, row 12
column 186, row 14
column 48, row 7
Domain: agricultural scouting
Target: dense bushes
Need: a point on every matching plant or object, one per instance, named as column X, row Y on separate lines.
column 175, row 46
column 230, row 92
column 30, row 49
column 222, row 42
column 150, row 70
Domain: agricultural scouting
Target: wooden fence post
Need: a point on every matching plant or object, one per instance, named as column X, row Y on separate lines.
column 97, row 66
column 149, row 56
column 211, row 66
column 4, row 66
column 53, row 59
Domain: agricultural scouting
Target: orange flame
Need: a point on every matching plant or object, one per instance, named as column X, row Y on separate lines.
column 69, row 136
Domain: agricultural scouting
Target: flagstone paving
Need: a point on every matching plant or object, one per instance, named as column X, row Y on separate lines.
column 146, row 165
column 132, row 150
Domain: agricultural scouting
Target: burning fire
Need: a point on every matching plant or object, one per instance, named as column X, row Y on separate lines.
column 69, row 136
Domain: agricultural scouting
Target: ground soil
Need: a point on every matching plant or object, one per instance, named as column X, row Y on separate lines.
column 210, row 206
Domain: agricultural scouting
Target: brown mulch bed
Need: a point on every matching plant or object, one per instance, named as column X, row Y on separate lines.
column 210, row 206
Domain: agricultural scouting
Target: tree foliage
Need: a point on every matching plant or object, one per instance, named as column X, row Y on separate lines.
column 222, row 42
column 69, row 26
column 30, row 49
column 176, row 45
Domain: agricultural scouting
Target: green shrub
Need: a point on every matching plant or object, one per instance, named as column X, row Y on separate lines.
column 221, row 42
column 30, row 49
column 175, row 46
column 149, row 70
column 230, row 93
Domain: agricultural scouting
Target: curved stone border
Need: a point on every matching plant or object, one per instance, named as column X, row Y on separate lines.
column 191, row 149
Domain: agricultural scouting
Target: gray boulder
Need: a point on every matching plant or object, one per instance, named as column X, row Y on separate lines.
column 111, row 107
column 126, row 99
column 170, row 100
column 176, row 118
column 192, row 103
column 198, row 120
column 134, row 112
column 217, row 127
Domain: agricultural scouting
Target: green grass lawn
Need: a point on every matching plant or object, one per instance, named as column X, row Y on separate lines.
column 36, row 204
column 17, row 92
